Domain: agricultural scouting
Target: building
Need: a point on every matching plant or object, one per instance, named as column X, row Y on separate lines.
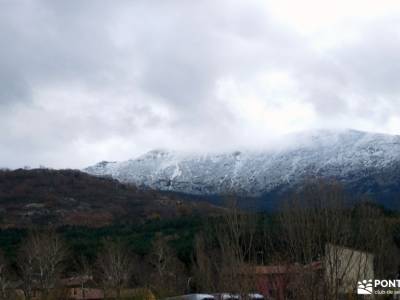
column 345, row 267
column 81, row 288
column 282, row 281
column 337, row 273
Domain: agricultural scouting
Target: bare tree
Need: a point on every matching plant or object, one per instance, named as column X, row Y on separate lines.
column 27, row 271
column 235, row 237
column 40, row 261
column 205, row 264
column 160, row 256
column 309, row 221
column 4, row 278
column 373, row 232
column 226, row 254
column 169, row 276
column 84, row 270
column 334, row 244
column 115, row 266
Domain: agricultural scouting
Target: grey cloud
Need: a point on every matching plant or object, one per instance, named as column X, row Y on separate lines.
column 146, row 72
column 42, row 46
column 357, row 79
column 375, row 59
column 13, row 87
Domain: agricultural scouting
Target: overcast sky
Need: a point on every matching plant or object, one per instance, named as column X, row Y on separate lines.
column 85, row 81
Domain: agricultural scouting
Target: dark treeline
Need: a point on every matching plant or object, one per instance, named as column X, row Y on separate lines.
column 40, row 197
column 209, row 254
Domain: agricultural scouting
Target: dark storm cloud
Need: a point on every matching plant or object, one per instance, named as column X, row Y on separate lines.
column 92, row 80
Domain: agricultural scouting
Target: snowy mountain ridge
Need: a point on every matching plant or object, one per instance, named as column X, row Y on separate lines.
column 345, row 155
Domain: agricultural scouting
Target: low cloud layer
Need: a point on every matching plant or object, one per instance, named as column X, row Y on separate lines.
column 108, row 80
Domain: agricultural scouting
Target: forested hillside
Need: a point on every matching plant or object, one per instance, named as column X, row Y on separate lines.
column 70, row 197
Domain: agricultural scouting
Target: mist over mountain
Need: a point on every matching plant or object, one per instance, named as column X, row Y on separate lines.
column 367, row 164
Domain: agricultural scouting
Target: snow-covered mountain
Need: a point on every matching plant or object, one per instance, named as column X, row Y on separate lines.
column 352, row 157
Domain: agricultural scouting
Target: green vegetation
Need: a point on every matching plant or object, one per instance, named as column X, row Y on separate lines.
column 87, row 241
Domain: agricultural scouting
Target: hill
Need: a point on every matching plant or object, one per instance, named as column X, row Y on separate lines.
column 71, row 197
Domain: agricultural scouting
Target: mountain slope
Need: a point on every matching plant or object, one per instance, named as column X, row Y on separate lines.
column 369, row 163
column 71, row 197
